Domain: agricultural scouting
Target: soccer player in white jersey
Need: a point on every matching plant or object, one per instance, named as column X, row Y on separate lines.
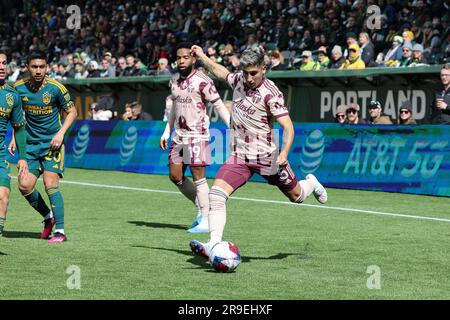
column 257, row 102
column 191, row 91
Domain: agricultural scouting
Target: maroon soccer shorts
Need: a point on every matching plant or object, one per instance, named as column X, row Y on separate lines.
column 236, row 172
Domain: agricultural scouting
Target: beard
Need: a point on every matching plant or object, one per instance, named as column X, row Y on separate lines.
column 185, row 72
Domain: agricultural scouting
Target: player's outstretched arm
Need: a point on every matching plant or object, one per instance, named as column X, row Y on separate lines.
column 58, row 139
column 216, row 69
column 288, row 138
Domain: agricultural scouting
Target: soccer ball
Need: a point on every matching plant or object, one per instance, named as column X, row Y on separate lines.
column 225, row 256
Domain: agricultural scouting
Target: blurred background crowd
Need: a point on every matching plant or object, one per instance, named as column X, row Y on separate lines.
column 119, row 38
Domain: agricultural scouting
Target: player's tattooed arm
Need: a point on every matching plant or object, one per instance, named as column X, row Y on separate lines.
column 288, row 138
column 216, row 69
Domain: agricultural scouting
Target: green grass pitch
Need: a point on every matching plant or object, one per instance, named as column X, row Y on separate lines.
column 133, row 244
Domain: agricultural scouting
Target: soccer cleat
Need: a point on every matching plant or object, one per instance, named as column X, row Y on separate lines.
column 319, row 191
column 199, row 249
column 57, row 238
column 201, row 227
column 48, row 227
column 197, row 220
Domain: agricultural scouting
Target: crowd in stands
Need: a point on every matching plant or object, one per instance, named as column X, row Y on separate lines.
column 134, row 38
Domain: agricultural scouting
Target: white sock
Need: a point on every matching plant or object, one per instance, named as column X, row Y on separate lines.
column 307, row 188
column 217, row 214
column 203, row 196
column 60, row 231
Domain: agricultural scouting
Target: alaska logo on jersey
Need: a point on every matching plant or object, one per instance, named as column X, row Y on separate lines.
column 46, row 98
column 9, row 99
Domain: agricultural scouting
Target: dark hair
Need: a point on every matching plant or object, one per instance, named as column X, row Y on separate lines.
column 4, row 52
column 184, row 45
column 36, row 55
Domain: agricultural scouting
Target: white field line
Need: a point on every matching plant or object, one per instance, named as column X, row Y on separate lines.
column 264, row 201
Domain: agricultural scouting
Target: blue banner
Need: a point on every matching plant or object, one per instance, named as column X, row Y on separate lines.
column 408, row 159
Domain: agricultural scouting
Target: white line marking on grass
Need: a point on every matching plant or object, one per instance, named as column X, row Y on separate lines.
column 264, row 201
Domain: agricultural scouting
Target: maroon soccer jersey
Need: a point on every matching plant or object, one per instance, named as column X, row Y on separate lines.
column 254, row 111
column 190, row 98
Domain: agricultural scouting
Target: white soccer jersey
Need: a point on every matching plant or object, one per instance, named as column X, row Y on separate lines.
column 190, row 97
column 252, row 117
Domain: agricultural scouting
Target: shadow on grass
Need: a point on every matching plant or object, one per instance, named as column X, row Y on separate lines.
column 158, row 225
column 203, row 263
column 21, row 234
column 2, row 254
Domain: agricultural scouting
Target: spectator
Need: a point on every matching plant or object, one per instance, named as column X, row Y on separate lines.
column 276, row 61
column 376, row 115
column 163, row 68
column 100, row 113
column 352, row 113
column 405, row 115
column 417, row 58
column 92, row 69
column 323, row 61
column 440, row 107
column 13, row 72
column 308, row 63
column 108, row 70
column 353, row 62
column 80, row 71
column 406, row 59
column 394, row 54
column 128, row 114
column 23, row 71
column 337, row 59
column 367, row 50
column 129, row 69
column 138, row 113
column 122, row 64
column 340, row 116
column 408, row 37
column 140, row 69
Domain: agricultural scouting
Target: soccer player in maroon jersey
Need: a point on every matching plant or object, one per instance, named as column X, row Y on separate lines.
column 191, row 91
column 257, row 103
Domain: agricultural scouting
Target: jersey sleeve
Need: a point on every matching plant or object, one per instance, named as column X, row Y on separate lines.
column 17, row 115
column 276, row 105
column 209, row 91
column 63, row 99
column 234, row 78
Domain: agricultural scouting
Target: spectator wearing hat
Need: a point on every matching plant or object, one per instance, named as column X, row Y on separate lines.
column 23, row 70
column 308, row 63
column 323, row 60
column 352, row 113
column 440, row 107
column 340, row 116
column 367, row 49
column 408, row 37
column 394, row 54
column 351, row 38
column 337, row 59
column 138, row 113
column 376, row 115
column 163, row 67
column 417, row 56
column 406, row 59
column 405, row 115
column 353, row 61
